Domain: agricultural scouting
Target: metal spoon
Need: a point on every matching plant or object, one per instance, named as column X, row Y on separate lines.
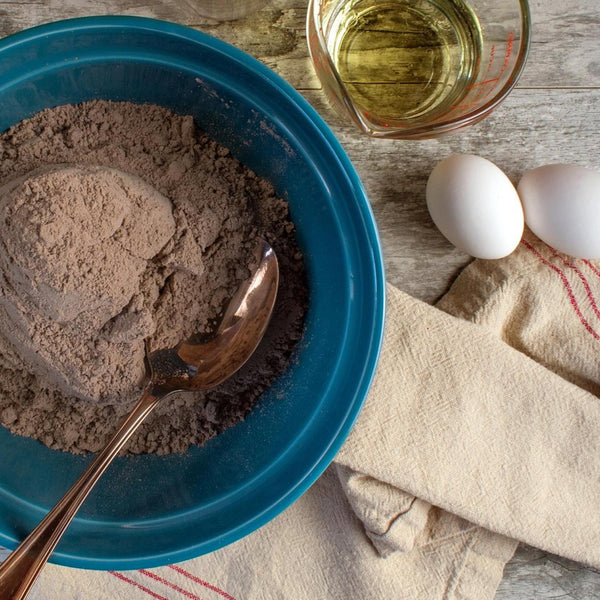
column 192, row 365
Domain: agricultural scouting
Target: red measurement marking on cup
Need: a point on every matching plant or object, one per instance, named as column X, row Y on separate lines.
column 464, row 106
column 487, row 86
column 509, row 48
column 484, row 89
column 491, row 59
column 481, row 92
column 479, row 83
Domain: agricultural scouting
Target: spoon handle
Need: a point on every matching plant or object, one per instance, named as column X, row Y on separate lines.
column 22, row 567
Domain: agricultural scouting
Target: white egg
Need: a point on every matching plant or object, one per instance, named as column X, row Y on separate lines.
column 475, row 206
column 562, row 207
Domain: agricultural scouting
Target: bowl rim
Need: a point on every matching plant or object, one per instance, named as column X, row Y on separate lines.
column 313, row 471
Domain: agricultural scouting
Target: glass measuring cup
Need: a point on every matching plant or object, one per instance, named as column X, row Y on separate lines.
column 415, row 69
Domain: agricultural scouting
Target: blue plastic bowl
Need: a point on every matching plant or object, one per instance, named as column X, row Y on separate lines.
column 152, row 510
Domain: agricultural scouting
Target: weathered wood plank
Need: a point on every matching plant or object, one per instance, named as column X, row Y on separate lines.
column 535, row 575
column 564, row 49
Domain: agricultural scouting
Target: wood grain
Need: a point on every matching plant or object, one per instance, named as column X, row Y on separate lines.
column 552, row 116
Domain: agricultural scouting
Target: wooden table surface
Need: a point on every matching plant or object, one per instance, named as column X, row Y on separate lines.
column 552, row 116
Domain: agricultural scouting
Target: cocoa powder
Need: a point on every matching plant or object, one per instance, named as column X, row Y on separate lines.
column 123, row 225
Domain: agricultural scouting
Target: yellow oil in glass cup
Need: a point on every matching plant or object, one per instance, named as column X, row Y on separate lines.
column 417, row 68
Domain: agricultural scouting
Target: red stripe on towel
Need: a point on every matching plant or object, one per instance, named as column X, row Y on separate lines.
column 581, row 276
column 567, row 286
column 137, row 585
column 169, row 584
column 592, row 267
column 201, row 582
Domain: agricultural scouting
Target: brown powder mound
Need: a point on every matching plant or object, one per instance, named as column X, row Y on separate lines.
column 76, row 245
column 121, row 224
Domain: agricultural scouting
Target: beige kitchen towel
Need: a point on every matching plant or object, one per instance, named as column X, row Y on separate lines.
column 482, row 427
column 499, row 420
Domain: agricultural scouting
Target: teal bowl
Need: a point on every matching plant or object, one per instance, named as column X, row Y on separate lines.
column 154, row 510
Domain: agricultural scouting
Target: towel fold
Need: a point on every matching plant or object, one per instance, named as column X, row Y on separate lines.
column 481, row 429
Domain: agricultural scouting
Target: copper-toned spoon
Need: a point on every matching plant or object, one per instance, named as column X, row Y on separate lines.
column 189, row 366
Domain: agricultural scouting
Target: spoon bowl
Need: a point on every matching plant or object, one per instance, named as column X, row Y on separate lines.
column 200, row 365
column 191, row 365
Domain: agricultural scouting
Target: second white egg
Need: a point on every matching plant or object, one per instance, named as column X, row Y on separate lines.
column 475, row 206
column 562, row 207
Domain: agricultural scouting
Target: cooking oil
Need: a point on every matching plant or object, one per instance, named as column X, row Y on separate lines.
column 405, row 60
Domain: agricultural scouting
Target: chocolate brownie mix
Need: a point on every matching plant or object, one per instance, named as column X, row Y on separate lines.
column 123, row 227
